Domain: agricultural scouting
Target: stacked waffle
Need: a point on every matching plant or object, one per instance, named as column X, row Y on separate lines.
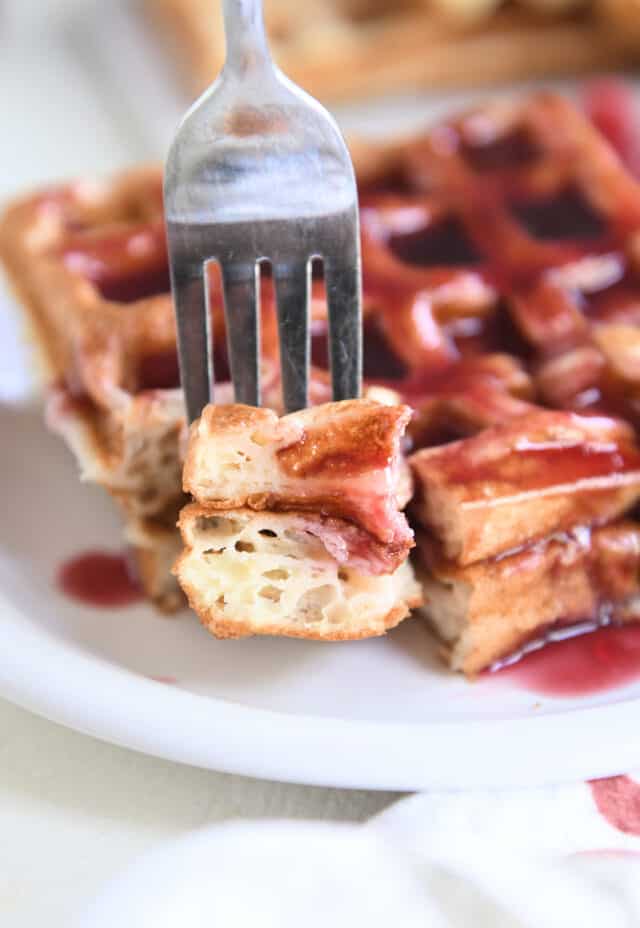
column 522, row 535
column 297, row 527
column 90, row 263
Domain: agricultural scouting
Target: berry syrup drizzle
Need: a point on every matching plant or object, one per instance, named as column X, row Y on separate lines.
column 586, row 661
column 612, row 107
column 102, row 579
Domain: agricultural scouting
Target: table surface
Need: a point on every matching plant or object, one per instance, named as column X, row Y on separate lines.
column 75, row 811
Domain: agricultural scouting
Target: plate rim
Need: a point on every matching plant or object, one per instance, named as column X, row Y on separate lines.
column 44, row 674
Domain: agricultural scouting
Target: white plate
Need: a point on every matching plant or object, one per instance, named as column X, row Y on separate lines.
column 377, row 714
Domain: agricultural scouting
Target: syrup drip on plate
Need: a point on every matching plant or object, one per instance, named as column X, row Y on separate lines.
column 579, row 661
column 102, row 579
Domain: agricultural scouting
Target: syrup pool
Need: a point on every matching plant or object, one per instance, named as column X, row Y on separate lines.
column 102, row 579
column 593, row 662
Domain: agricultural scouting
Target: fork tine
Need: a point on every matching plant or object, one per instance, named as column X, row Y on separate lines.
column 242, row 319
column 192, row 321
column 292, row 285
column 342, row 276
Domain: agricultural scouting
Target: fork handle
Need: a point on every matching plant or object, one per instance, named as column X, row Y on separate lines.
column 247, row 47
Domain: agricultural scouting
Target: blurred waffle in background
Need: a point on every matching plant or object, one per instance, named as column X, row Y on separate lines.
column 340, row 49
column 623, row 18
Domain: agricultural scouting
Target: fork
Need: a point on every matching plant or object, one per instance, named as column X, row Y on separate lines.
column 259, row 172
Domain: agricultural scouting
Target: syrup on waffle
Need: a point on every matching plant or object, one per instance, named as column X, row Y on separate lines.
column 501, row 273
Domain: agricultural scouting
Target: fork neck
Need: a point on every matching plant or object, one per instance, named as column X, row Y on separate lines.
column 247, row 48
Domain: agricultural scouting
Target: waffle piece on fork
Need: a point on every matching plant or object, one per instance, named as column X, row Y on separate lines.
column 296, row 528
column 342, row 458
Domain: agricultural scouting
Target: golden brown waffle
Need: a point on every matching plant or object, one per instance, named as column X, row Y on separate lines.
column 531, row 477
column 296, row 529
column 487, row 611
column 248, row 572
column 343, row 459
column 622, row 18
column 338, row 49
column 500, row 274
column 89, row 262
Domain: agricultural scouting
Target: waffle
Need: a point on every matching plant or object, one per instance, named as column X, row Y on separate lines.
column 345, row 456
column 525, row 480
column 500, row 255
column 495, row 608
column 89, row 261
column 264, row 573
column 296, row 528
column 622, row 18
column 337, row 49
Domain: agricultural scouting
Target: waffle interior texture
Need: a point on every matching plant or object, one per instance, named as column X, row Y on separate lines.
column 501, row 277
column 248, row 573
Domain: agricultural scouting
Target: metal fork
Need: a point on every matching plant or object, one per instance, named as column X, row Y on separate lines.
column 259, row 171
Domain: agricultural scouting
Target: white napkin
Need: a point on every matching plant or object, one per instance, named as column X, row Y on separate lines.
column 562, row 856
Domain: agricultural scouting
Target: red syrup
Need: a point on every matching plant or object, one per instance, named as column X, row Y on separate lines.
column 565, row 215
column 588, row 663
column 100, row 579
column 159, row 371
column 125, row 266
column 617, row 799
column 611, row 106
column 513, row 150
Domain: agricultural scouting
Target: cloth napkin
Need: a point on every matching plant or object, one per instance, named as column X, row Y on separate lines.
column 563, row 856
